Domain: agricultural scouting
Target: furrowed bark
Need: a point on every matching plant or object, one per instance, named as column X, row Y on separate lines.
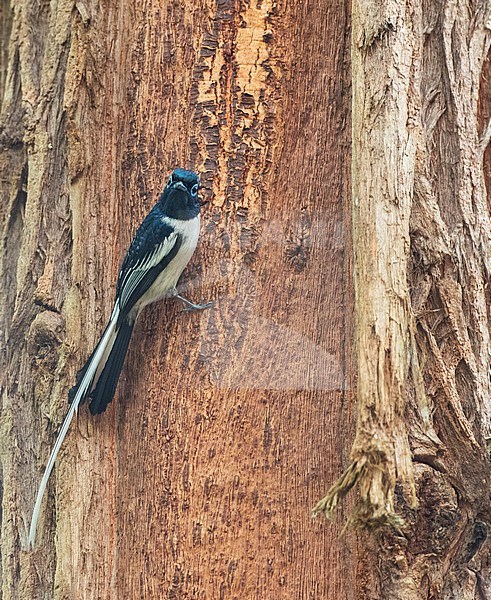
column 421, row 264
column 197, row 481
column 382, row 175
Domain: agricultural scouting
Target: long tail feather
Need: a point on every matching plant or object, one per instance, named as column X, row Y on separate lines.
column 107, row 382
column 87, row 376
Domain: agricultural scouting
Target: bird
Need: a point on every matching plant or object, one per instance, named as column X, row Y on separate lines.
column 160, row 250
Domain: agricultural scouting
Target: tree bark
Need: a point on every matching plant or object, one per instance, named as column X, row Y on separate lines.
column 227, row 426
column 198, row 480
column 422, row 248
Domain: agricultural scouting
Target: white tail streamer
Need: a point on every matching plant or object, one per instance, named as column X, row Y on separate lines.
column 84, row 388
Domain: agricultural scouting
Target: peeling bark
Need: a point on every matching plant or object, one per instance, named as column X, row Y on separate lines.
column 226, row 426
column 382, row 171
column 422, row 236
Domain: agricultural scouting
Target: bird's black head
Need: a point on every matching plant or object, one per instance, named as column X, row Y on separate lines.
column 180, row 198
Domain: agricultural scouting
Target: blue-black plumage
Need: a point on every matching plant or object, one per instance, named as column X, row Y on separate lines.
column 158, row 253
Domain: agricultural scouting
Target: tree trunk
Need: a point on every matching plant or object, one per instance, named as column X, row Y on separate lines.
column 199, row 479
column 229, row 424
column 421, row 236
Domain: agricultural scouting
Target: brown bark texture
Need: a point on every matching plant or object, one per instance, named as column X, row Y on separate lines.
column 228, row 424
column 422, row 249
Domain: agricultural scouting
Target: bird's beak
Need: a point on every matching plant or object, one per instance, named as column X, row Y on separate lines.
column 179, row 185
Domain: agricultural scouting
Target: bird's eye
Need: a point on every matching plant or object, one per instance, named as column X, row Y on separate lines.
column 194, row 189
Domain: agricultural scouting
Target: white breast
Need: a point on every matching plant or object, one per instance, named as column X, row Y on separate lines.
column 166, row 282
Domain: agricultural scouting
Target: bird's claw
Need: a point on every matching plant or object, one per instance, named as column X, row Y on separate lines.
column 193, row 307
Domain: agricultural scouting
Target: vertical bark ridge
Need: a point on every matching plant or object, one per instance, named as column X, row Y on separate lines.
column 438, row 415
column 382, row 175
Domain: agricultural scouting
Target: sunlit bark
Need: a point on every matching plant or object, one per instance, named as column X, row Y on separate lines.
column 199, row 479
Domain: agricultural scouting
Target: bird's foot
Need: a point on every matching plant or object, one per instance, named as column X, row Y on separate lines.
column 191, row 306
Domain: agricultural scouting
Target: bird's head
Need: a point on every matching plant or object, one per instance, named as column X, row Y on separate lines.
column 180, row 196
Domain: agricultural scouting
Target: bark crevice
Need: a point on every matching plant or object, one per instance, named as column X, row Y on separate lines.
column 442, row 251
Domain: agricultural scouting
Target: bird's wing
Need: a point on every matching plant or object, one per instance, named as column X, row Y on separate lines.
column 153, row 247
